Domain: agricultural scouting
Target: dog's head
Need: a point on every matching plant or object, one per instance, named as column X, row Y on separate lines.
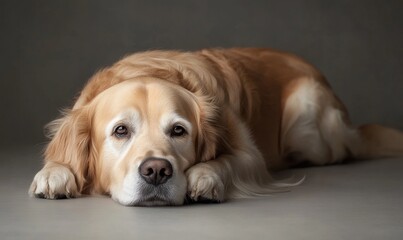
column 135, row 141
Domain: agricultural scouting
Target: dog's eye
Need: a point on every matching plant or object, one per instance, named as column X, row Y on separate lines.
column 178, row 131
column 121, row 131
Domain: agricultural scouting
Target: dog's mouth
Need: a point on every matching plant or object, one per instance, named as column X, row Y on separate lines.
column 155, row 201
column 162, row 196
column 155, row 196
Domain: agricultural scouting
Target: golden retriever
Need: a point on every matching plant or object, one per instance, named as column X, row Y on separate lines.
column 161, row 126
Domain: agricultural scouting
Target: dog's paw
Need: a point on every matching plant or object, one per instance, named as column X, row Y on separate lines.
column 204, row 185
column 54, row 182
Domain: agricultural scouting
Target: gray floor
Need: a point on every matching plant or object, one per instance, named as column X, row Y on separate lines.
column 353, row 201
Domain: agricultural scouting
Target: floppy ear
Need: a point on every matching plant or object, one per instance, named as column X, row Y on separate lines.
column 208, row 138
column 71, row 144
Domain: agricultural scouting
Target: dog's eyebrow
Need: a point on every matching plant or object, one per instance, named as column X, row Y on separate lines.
column 130, row 116
column 173, row 118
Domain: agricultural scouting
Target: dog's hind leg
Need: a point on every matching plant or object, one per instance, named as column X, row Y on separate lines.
column 315, row 127
column 316, row 130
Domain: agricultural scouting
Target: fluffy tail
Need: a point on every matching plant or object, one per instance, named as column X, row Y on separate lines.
column 375, row 141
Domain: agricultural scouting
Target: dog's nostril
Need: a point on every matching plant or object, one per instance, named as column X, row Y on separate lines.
column 162, row 172
column 149, row 172
column 166, row 172
column 155, row 171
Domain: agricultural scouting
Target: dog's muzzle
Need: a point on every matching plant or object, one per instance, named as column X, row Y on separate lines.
column 156, row 187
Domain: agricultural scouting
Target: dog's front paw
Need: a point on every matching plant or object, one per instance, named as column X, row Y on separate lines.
column 54, row 182
column 204, row 185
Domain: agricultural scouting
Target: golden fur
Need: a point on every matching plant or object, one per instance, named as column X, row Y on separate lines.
column 246, row 111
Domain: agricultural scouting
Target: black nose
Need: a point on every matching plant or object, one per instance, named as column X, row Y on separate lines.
column 155, row 171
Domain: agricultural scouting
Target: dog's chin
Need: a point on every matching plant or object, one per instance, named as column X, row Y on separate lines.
column 150, row 202
column 156, row 198
column 155, row 201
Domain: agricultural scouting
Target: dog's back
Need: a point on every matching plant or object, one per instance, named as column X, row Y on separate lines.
column 296, row 117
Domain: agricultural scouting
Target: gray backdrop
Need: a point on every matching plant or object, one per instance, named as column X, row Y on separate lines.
column 48, row 49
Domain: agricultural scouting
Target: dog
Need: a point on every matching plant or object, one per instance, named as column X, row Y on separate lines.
column 160, row 127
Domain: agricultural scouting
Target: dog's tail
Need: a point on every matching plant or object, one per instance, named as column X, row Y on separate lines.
column 375, row 141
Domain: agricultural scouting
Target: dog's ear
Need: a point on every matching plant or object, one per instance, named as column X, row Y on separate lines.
column 207, row 143
column 70, row 144
column 208, row 132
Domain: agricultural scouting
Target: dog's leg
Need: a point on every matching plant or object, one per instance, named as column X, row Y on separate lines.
column 206, row 182
column 67, row 157
column 54, row 181
column 240, row 173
